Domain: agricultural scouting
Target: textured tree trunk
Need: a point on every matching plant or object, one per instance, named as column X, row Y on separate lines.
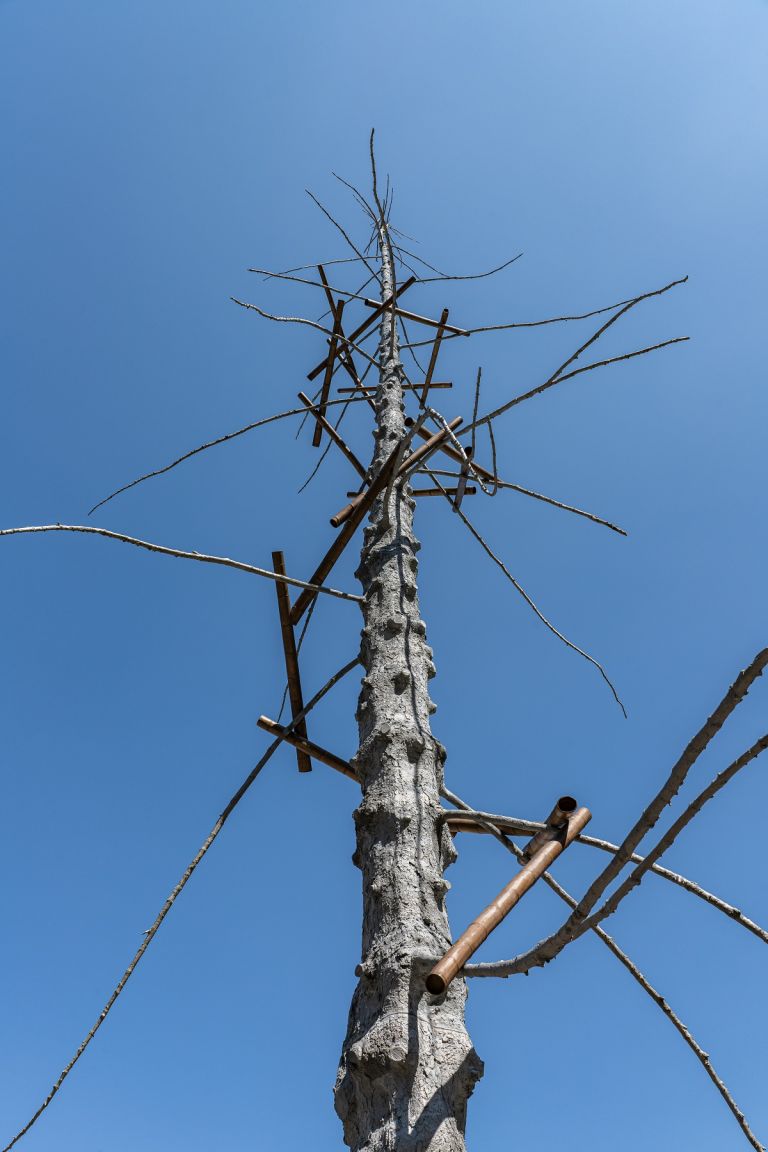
column 408, row 1065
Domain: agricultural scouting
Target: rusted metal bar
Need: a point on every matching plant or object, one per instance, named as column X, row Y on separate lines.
column 433, row 357
column 459, row 953
column 412, row 461
column 291, row 658
column 555, row 822
column 326, row 389
column 304, row 600
column 419, row 319
column 334, row 435
column 308, row 747
column 378, row 309
column 471, row 491
column 348, row 364
column 327, row 287
column 408, row 387
column 461, row 487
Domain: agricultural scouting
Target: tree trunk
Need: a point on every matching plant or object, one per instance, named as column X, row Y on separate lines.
column 408, row 1065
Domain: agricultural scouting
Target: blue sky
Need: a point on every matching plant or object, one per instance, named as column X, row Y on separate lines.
column 154, row 151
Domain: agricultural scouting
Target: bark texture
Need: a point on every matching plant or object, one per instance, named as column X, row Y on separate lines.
column 408, row 1065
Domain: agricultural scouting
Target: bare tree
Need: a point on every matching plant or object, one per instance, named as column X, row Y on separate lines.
column 408, row 1065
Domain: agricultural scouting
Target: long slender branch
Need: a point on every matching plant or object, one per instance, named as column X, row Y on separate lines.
column 152, row 932
column 558, row 378
column 514, row 826
column 537, row 611
column 302, row 320
column 303, row 412
column 336, row 224
column 201, row 556
column 634, row 971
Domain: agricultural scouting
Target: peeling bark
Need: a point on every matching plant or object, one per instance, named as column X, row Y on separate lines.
column 408, row 1065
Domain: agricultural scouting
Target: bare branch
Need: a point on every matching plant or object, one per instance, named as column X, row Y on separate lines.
column 311, row 283
column 201, row 556
column 301, row 320
column 631, row 967
column 568, row 643
column 303, row 412
column 474, row 276
column 150, row 934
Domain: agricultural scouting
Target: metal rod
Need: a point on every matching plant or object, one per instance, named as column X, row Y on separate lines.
column 291, row 659
column 326, row 564
column 334, row 435
column 459, row 953
column 431, row 443
column 326, row 389
column 418, row 319
column 327, row 288
column 556, row 820
column 470, row 491
column 433, row 357
column 308, row 747
column 365, row 324
column 405, row 387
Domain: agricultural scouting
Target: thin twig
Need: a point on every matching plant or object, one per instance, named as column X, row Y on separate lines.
column 201, row 556
column 303, row 411
column 152, row 932
column 336, row 224
column 568, row 643
column 631, row 967
column 474, row 276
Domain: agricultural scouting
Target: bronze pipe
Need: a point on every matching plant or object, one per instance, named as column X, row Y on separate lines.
column 291, row 658
column 433, row 357
column 420, row 319
column 308, row 747
column 480, row 928
column 556, row 820
column 470, row 491
column 317, row 435
column 326, row 564
column 371, row 391
column 334, row 435
column 378, row 309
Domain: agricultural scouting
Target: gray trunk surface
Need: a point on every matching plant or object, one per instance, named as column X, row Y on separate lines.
column 407, row 1065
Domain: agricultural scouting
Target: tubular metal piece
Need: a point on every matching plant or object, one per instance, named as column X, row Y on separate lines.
column 308, row 747
column 317, row 435
column 417, row 318
column 291, row 659
column 334, row 435
column 326, row 564
column 433, row 357
column 471, row 491
column 556, row 822
column 459, row 953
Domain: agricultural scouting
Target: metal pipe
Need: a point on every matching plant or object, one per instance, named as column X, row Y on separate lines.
column 308, row 746
column 556, row 820
column 459, row 953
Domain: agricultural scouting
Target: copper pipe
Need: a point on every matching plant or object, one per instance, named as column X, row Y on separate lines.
column 406, row 387
column 425, row 450
column 334, row 435
column 470, row 491
column 291, row 658
column 379, row 308
column 433, row 357
column 463, row 822
column 479, row 930
column 454, row 453
column 556, row 821
column 419, row 319
column 308, row 747
column 327, row 287
column 317, row 435
column 326, row 564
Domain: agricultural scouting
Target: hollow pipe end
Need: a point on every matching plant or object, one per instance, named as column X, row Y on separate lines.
column 436, row 984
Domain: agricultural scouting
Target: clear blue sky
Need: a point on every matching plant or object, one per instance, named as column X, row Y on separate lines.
column 152, row 152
